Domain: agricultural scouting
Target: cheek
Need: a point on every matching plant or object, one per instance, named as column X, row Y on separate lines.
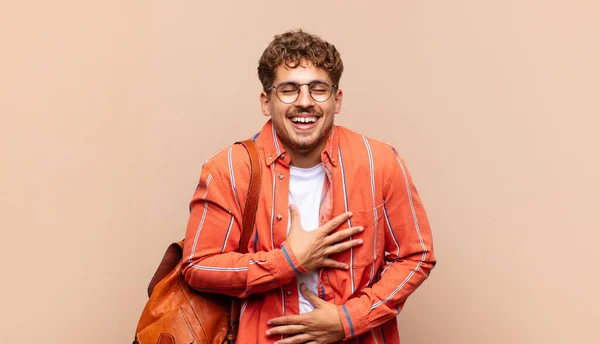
column 280, row 110
column 330, row 109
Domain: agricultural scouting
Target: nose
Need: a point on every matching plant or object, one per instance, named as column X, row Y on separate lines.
column 304, row 98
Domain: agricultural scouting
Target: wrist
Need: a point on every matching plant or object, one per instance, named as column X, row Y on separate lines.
column 298, row 254
column 290, row 261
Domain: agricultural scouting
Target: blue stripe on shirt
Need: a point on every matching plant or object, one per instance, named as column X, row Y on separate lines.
column 349, row 321
column 287, row 256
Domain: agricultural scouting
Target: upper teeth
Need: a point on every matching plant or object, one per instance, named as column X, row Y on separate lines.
column 304, row 119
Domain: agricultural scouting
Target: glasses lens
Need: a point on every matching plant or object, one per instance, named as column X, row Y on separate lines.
column 288, row 92
column 320, row 91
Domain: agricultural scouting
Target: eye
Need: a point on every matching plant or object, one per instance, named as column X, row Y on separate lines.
column 287, row 88
column 319, row 88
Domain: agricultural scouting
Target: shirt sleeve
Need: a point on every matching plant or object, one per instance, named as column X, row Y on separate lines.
column 211, row 261
column 408, row 242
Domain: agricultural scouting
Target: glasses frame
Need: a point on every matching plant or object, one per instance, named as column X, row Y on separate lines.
column 333, row 88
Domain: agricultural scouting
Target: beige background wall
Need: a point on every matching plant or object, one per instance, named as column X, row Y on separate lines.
column 109, row 108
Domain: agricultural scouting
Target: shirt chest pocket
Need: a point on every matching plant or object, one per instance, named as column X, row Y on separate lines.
column 372, row 248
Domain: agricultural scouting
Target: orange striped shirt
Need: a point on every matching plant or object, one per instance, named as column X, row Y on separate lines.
column 364, row 176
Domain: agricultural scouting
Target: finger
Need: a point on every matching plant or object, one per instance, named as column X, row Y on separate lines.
column 286, row 329
column 341, row 247
column 299, row 338
column 343, row 234
column 287, row 320
column 334, row 264
column 310, row 296
column 336, row 222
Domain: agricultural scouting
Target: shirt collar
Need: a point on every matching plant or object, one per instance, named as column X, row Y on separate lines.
column 274, row 149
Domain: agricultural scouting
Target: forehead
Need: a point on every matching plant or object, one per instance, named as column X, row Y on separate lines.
column 304, row 72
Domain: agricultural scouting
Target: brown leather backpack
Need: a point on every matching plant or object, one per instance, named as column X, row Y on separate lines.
column 177, row 314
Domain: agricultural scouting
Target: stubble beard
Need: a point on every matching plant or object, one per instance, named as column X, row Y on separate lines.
column 306, row 146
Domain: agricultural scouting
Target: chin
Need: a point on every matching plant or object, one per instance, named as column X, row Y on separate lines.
column 305, row 146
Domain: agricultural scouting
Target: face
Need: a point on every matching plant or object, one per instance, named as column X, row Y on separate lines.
column 304, row 125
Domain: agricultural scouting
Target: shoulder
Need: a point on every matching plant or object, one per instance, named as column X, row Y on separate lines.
column 228, row 159
column 380, row 152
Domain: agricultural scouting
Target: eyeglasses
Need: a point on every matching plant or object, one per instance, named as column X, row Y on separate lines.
column 289, row 91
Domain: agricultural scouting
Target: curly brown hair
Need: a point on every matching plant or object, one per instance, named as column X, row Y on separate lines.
column 294, row 47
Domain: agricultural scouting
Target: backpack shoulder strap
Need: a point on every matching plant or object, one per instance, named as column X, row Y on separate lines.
column 253, row 194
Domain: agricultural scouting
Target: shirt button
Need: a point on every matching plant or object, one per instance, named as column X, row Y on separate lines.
column 279, row 217
column 281, row 176
column 289, row 293
column 282, row 155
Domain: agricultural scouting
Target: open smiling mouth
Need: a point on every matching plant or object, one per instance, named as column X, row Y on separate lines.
column 304, row 122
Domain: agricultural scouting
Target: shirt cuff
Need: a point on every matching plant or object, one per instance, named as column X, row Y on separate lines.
column 355, row 322
column 285, row 265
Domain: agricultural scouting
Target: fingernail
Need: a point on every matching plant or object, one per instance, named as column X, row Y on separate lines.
column 303, row 287
column 349, row 214
column 346, row 267
column 360, row 229
column 269, row 322
column 268, row 333
column 360, row 241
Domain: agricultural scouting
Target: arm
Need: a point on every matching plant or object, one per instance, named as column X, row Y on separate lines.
column 409, row 242
column 211, row 262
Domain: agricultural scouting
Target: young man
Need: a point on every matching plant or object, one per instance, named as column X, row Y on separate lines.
column 341, row 238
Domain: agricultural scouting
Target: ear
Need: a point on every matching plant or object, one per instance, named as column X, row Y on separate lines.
column 264, row 103
column 339, row 96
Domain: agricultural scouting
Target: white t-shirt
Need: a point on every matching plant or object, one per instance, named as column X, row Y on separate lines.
column 306, row 186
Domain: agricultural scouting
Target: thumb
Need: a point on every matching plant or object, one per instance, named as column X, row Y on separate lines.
column 294, row 217
column 310, row 296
